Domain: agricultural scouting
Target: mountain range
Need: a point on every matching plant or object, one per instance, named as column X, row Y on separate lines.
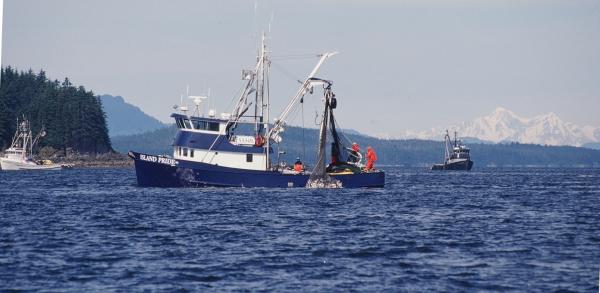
column 504, row 125
column 125, row 119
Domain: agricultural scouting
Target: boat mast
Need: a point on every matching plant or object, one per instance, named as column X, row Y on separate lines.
column 266, row 106
column 447, row 141
column 259, row 94
column 23, row 138
column 261, row 106
column 455, row 140
column 29, row 142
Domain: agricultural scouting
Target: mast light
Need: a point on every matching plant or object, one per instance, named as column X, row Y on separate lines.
column 247, row 74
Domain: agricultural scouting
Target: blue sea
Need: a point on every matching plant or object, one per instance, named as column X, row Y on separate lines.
column 534, row 230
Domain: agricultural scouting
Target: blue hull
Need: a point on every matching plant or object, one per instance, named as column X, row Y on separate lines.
column 162, row 172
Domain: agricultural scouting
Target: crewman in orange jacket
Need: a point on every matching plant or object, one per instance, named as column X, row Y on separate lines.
column 298, row 166
column 371, row 158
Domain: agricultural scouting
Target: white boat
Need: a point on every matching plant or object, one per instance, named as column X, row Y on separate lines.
column 20, row 154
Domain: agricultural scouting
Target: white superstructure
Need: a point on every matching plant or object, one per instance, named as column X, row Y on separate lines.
column 19, row 155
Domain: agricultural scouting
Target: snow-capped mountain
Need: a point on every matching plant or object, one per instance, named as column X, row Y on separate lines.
column 505, row 126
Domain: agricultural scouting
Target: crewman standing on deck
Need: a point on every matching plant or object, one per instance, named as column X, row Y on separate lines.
column 298, row 166
column 371, row 158
column 355, row 155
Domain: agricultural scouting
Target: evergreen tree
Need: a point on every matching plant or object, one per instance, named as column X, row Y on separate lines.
column 73, row 117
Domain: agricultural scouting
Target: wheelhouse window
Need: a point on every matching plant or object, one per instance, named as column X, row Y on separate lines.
column 185, row 152
column 191, row 153
column 201, row 125
column 179, row 123
column 205, row 125
column 212, row 126
column 187, row 123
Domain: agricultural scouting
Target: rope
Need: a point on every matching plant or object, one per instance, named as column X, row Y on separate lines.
column 295, row 56
column 348, row 140
column 303, row 139
column 235, row 97
column 286, row 73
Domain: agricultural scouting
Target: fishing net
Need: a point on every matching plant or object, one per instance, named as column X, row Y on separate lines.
column 319, row 177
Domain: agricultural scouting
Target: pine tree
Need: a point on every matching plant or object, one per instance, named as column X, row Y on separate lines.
column 73, row 117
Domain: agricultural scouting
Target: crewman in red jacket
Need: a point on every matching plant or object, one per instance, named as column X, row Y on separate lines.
column 355, row 155
column 371, row 158
column 298, row 166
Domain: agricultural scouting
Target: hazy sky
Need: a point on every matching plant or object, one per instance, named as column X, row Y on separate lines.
column 402, row 64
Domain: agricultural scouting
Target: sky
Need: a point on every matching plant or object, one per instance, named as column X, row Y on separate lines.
column 403, row 65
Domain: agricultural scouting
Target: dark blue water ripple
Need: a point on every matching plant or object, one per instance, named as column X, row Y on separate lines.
column 487, row 230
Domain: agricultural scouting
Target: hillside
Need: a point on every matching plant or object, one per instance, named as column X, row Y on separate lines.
column 412, row 152
column 125, row 119
column 157, row 141
column 72, row 116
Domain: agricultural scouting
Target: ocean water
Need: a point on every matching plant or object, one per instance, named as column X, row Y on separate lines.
column 535, row 230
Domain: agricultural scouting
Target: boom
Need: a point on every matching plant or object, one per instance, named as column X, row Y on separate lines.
column 280, row 121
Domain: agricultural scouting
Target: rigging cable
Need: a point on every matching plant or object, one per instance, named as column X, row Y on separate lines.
column 348, row 141
column 303, row 139
column 286, row 72
column 295, row 56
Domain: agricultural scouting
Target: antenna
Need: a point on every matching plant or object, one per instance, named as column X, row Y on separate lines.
column 182, row 108
column 255, row 27
column 211, row 109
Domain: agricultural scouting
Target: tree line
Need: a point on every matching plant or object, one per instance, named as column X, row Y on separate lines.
column 71, row 115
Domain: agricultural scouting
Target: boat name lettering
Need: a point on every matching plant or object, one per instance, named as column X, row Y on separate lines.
column 160, row 160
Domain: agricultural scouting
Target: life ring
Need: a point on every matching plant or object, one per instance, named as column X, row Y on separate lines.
column 259, row 141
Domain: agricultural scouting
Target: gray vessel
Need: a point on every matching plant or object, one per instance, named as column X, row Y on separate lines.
column 457, row 159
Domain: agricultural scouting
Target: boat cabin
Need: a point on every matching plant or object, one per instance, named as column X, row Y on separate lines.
column 215, row 141
column 460, row 152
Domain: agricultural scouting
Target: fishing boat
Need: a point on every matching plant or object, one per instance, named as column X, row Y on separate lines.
column 235, row 149
column 19, row 156
column 459, row 158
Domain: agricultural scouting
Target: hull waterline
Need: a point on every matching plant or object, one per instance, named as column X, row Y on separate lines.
column 464, row 165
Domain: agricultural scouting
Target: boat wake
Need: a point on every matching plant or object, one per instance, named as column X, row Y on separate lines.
column 324, row 183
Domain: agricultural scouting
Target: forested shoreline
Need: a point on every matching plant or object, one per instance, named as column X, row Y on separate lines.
column 71, row 115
